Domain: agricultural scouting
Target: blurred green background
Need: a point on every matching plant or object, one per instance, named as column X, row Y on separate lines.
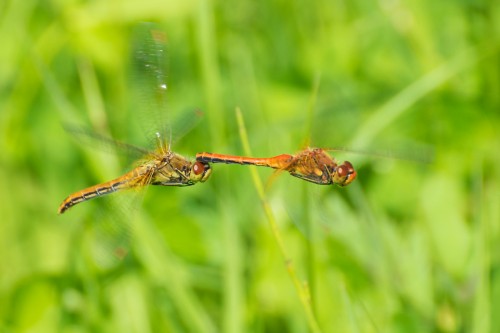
column 407, row 247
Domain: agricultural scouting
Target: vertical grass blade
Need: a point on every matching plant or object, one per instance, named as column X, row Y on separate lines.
column 301, row 289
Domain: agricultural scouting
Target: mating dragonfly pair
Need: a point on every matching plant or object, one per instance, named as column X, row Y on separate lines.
column 166, row 168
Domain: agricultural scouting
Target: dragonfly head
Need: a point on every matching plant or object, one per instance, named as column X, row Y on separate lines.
column 200, row 172
column 344, row 174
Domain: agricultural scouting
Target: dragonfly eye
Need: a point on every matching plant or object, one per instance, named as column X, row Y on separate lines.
column 350, row 173
column 201, row 171
column 345, row 174
column 198, row 168
column 345, row 169
column 342, row 171
column 349, row 166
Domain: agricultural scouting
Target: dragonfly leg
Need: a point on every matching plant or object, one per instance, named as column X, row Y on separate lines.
column 315, row 180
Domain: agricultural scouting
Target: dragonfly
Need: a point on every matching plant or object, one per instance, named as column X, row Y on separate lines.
column 160, row 166
column 314, row 165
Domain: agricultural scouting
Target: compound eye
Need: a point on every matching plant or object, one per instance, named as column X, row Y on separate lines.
column 342, row 171
column 198, row 168
column 350, row 168
column 345, row 169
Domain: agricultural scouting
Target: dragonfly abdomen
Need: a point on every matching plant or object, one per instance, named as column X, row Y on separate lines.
column 129, row 180
column 277, row 162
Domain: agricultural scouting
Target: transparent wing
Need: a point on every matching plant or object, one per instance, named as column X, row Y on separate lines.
column 90, row 138
column 314, row 211
column 149, row 86
column 149, row 81
column 107, row 233
column 412, row 153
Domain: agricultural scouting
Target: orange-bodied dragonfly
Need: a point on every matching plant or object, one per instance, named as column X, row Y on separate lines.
column 161, row 166
column 312, row 164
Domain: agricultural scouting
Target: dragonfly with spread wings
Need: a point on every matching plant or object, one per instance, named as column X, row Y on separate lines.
column 161, row 166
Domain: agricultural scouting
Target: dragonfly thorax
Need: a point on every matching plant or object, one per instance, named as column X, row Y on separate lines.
column 175, row 170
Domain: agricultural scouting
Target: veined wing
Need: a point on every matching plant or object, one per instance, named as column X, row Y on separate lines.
column 104, row 143
column 412, row 153
column 149, row 81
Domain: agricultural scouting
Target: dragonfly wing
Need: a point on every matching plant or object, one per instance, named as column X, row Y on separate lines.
column 107, row 231
column 104, row 143
column 149, row 81
column 149, row 68
column 314, row 210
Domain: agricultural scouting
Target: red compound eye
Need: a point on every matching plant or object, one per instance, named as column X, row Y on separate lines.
column 199, row 168
column 342, row 171
column 349, row 166
column 345, row 169
column 345, row 174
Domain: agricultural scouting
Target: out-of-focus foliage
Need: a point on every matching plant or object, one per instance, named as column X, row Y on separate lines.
column 408, row 247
